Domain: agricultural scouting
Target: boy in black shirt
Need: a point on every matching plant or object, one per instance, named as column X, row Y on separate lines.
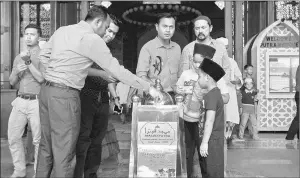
column 211, row 156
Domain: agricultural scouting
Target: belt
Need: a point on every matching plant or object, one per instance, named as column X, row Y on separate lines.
column 28, row 96
column 59, row 85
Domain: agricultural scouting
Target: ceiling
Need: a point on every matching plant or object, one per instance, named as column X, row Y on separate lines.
column 207, row 8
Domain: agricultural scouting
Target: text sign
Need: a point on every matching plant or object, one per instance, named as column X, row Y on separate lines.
column 280, row 42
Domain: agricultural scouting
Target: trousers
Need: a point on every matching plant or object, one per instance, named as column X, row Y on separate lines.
column 23, row 111
column 191, row 141
column 294, row 127
column 94, row 122
column 60, row 123
column 212, row 166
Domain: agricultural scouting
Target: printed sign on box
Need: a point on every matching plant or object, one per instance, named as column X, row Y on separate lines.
column 157, row 133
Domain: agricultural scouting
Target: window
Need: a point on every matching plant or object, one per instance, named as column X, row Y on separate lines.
column 288, row 10
column 38, row 13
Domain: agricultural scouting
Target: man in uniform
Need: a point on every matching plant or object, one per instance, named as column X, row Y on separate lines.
column 26, row 106
column 73, row 50
column 159, row 58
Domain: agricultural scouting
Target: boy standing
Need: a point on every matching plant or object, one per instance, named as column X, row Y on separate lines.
column 193, row 115
column 248, row 69
column 248, row 108
column 212, row 142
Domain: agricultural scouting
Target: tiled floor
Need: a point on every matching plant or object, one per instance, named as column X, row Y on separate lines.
column 268, row 157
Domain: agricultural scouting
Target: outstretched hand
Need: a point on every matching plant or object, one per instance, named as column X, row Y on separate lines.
column 155, row 93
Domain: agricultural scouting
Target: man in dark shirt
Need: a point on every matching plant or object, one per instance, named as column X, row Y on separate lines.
column 94, row 115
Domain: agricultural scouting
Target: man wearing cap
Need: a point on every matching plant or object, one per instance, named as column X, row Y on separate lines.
column 202, row 29
column 159, row 58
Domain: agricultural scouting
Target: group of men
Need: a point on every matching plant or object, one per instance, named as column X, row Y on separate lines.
column 49, row 96
column 68, row 111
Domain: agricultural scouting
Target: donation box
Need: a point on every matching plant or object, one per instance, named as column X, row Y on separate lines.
column 275, row 57
column 157, row 141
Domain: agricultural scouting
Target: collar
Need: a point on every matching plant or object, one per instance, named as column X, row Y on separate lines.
column 86, row 25
column 159, row 44
column 211, row 42
column 34, row 50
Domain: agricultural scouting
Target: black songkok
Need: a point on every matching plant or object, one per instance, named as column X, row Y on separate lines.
column 212, row 69
column 204, row 50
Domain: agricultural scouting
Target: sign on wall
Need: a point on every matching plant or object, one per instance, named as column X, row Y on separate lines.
column 275, row 57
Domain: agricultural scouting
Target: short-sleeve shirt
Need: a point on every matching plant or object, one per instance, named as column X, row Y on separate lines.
column 158, row 61
column 28, row 84
column 213, row 101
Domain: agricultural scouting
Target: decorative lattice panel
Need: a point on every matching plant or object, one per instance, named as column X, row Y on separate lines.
column 274, row 113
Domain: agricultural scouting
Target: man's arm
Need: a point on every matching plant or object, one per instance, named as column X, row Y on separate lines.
column 14, row 76
column 112, row 89
column 143, row 65
column 36, row 73
column 238, row 75
column 93, row 46
column 224, row 90
column 101, row 73
column 180, row 84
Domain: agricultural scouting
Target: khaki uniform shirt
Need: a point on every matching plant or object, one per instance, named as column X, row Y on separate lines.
column 28, row 84
column 73, row 50
column 160, row 62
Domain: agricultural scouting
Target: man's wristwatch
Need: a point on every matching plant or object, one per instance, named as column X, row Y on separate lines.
column 28, row 62
column 117, row 98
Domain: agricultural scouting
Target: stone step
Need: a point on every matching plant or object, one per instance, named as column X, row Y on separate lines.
column 263, row 143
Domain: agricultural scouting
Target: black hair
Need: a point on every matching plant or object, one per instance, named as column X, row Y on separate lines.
column 38, row 28
column 115, row 20
column 97, row 11
column 247, row 65
column 165, row 15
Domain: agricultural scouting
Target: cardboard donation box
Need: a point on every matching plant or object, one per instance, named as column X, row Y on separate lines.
column 157, row 148
column 275, row 57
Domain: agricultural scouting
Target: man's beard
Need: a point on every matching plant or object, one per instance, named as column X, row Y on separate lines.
column 201, row 39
